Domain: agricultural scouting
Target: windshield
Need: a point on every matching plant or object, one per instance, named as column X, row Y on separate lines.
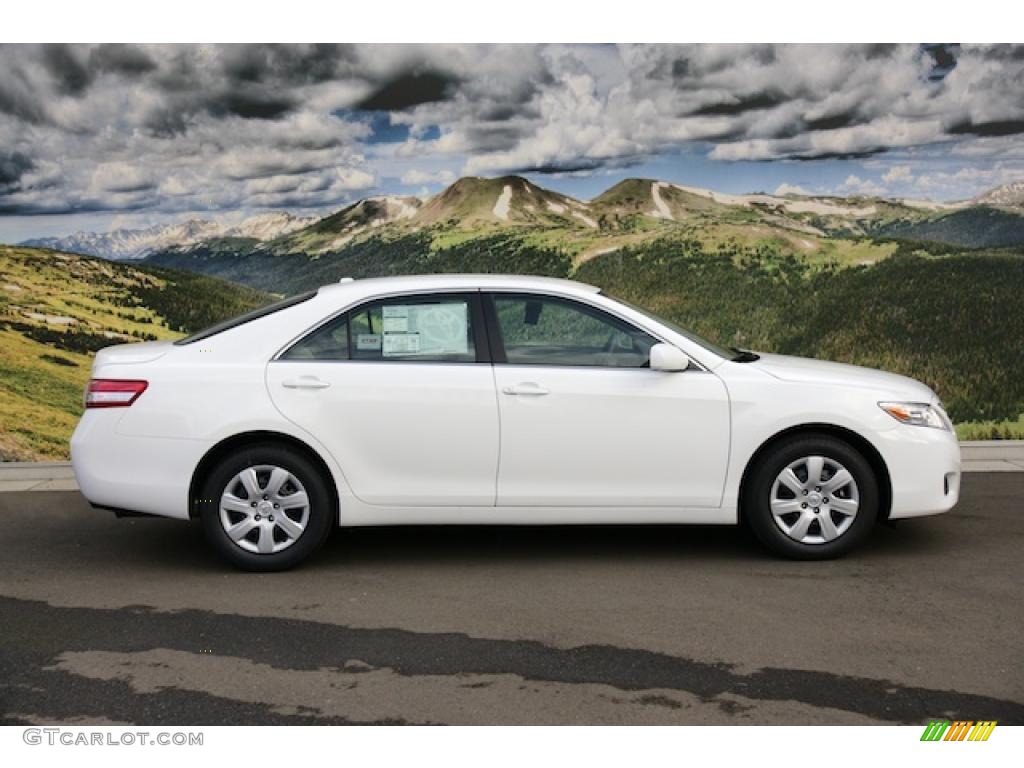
column 709, row 346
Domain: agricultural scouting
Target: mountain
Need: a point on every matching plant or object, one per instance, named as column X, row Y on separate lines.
column 486, row 221
column 367, row 215
column 977, row 226
column 507, row 200
column 898, row 284
column 57, row 309
column 129, row 243
column 470, row 204
column 748, row 270
column 124, row 244
column 267, row 226
column 1006, row 196
column 632, row 211
column 949, row 318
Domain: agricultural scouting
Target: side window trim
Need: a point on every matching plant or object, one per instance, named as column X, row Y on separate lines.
column 472, row 297
column 497, row 342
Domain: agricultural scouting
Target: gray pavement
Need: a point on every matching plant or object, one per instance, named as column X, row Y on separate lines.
column 135, row 621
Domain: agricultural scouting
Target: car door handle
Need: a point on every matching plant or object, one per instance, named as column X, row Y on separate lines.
column 305, row 382
column 526, row 388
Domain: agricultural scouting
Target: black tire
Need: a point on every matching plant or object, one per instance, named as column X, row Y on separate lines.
column 321, row 515
column 757, row 492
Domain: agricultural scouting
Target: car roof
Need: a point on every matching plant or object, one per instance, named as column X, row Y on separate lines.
column 457, row 282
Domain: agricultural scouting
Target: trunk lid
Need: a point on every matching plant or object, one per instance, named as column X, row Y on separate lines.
column 128, row 354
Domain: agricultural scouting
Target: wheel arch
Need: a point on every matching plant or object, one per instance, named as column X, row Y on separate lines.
column 862, row 444
column 255, row 437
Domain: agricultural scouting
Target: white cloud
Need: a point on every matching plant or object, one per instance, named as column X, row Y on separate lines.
column 854, row 185
column 89, row 128
column 120, row 177
column 898, row 174
column 354, row 179
column 791, row 189
column 415, row 176
column 968, row 181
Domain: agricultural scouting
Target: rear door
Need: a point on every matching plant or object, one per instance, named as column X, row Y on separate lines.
column 401, row 392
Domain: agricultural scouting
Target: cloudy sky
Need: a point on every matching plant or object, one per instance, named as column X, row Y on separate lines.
column 108, row 136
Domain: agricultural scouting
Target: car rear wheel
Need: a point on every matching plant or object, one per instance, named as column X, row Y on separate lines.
column 812, row 497
column 266, row 508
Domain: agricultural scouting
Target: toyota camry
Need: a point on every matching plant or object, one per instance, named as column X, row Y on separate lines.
column 461, row 399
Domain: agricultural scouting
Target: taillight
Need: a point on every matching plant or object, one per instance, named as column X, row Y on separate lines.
column 113, row 393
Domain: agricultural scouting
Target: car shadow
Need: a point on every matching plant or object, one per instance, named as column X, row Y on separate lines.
column 538, row 543
column 153, row 544
column 177, row 546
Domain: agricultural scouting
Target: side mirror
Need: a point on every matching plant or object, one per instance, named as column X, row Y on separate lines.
column 665, row 357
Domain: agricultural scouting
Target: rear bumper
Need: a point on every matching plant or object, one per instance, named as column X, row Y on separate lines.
column 924, row 469
column 147, row 475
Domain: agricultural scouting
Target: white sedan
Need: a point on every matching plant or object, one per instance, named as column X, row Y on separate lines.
column 455, row 399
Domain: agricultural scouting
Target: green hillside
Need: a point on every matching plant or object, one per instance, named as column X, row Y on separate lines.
column 909, row 314
column 886, row 283
column 414, row 253
column 822, row 277
column 633, row 212
column 950, row 317
column 979, row 227
column 57, row 309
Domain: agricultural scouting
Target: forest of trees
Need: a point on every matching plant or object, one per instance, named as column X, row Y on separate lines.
column 950, row 317
column 954, row 322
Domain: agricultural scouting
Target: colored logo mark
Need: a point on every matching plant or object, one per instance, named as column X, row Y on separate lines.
column 958, row 730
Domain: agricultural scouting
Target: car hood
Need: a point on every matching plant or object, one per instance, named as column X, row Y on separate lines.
column 807, row 370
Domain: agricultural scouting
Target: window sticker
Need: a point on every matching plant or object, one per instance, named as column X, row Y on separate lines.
column 396, row 318
column 401, row 344
column 368, row 342
column 426, row 329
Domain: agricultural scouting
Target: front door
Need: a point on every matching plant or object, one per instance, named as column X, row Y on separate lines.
column 586, row 422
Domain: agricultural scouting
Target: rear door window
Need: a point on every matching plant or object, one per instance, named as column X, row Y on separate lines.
column 429, row 328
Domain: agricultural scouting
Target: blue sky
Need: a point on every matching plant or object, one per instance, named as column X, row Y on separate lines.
column 97, row 137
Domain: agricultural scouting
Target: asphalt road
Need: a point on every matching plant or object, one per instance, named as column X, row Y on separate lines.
column 135, row 621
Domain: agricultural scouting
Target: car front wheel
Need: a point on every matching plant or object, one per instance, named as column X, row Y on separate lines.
column 811, row 498
column 266, row 508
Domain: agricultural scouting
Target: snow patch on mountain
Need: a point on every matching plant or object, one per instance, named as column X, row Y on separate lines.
column 405, row 209
column 501, row 207
column 585, row 219
column 930, row 205
column 661, row 209
column 798, row 205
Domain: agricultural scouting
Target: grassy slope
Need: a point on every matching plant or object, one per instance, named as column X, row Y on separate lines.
column 974, row 227
column 57, row 309
column 897, row 306
column 908, row 314
column 736, row 274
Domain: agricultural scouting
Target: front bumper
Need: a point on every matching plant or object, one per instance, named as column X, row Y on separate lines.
column 924, row 470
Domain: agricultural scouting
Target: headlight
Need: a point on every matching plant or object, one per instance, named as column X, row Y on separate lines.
column 918, row 414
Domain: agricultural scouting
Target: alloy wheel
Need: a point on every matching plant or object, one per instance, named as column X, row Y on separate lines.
column 264, row 509
column 814, row 500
